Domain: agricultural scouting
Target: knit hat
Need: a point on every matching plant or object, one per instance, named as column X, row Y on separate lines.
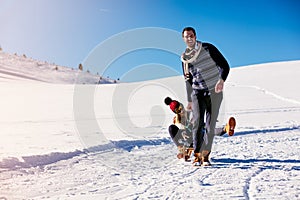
column 172, row 103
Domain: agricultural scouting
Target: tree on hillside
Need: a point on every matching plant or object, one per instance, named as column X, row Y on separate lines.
column 80, row 67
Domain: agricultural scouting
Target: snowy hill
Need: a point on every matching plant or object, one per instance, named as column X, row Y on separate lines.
column 14, row 67
column 74, row 141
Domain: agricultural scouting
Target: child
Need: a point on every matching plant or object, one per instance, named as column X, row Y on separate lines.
column 181, row 129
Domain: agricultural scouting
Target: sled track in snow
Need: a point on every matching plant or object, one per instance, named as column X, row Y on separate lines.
column 248, row 182
column 263, row 110
column 146, row 179
column 267, row 92
column 12, row 163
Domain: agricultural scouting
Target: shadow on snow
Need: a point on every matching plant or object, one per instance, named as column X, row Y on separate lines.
column 266, row 163
column 270, row 130
column 12, row 163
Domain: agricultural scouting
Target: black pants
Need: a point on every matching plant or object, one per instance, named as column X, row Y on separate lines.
column 205, row 113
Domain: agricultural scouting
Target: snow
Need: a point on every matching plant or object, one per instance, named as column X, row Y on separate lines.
column 61, row 140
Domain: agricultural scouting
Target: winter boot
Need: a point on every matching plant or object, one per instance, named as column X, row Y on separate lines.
column 229, row 128
column 205, row 158
column 197, row 160
column 188, row 154
column 181, row 152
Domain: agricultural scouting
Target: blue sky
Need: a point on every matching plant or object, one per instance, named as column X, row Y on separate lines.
column 67, row 32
